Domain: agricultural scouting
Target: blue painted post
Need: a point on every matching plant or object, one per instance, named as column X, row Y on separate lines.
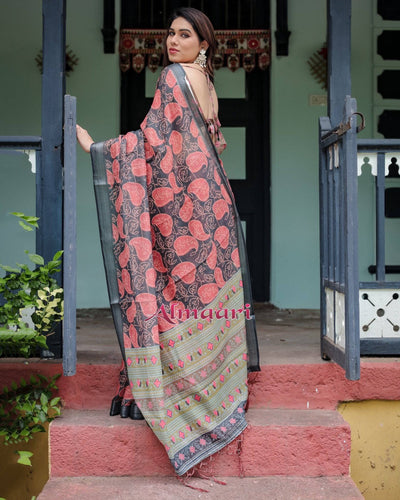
column 49, row 185
column 324, row 127
column 339, row 54
column 380, row 217
column 350, row 219
column 69, row 268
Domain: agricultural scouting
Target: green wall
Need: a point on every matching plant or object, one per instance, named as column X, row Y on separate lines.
column 294, row 150
column 95, row 82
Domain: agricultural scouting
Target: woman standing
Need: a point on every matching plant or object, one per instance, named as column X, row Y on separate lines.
column 175, row 258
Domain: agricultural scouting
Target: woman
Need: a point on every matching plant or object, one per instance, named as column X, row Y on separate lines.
column 174, row 257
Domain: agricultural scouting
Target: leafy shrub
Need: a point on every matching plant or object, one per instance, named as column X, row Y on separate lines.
column 25, row 408
column 36, row 289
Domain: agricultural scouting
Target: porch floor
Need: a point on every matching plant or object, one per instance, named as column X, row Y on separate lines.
column 286, row 336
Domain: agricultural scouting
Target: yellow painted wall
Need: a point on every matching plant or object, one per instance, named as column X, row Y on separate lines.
column 21, row 482
column 375, row 447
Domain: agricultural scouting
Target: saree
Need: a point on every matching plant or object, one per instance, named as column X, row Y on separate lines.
column 177, row 275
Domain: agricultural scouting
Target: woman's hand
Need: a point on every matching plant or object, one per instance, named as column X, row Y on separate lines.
column 84, row 138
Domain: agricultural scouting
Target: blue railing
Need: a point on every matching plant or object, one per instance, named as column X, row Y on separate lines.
column 32, row 145
column 380, row 298
column 338, row 242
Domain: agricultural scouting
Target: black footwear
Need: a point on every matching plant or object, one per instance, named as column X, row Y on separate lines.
column 135, row 413
column 125, row 408
column 115, row 406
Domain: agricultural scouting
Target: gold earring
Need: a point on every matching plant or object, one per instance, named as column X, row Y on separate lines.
column 202, row 59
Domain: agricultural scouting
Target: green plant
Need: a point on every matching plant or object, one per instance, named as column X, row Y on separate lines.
column 36, row 289
column 25, row 408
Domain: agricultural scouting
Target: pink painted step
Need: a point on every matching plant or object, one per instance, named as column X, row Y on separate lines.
column 277, row 442
column 309, row 386
column 261, row 488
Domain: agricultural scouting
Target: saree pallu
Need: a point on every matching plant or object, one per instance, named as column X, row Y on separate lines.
column 177, row 275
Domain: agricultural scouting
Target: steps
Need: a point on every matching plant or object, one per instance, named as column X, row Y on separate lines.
column 277, row 442
column 297, row 446
column 260, row 488
column 295, row 386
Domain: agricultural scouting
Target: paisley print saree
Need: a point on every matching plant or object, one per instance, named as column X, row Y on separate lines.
column 177, row 276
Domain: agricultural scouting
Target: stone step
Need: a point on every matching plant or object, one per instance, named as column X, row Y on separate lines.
column 277, row 442
column 260, row 488
column 297, row 386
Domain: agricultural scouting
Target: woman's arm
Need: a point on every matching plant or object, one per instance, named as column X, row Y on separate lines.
column 84, row 139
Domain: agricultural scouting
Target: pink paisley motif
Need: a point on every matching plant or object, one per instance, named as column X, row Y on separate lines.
column 170, row 79
column 144, row 220
column 133, row 335
column 170, row 290
column 119, row 201
column 136, row 192
column 196, row 228
column 167, row 162
column 226, row 196
column 235, row 257
column 164, row 223
column 186, row 271
column 142, row 246
column 131, row 312
column 110, row 178
column 220, row 208
column 138, row 167
column 115, row 233
column 196, row 161
column 120, row 226
column 152, row 137
column 127, row 342
column 158, row 262
column 148, row 304
column 114, row 149
column 126, row 281
column 172, row 180
column 115, row 170
column 172, row 111
column 175, row 140
column 208, row 292
column 151, row 276
column 184, row 244
column 148, row 151
column 222, row 236
column 180, row 99
column 131, row 142
column 200, row 188
column 121, row 288
column 162, row 196
column 219, row 278
column 124, row 256
column 157, row 100
column 186, row 211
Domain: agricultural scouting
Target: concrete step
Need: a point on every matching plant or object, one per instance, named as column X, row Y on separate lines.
column 277, row 442
column 298, row 386
column 261, row 488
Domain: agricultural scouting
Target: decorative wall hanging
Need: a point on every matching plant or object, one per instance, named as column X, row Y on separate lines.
column 236, row 49
column 318, row 64
column 71, row 60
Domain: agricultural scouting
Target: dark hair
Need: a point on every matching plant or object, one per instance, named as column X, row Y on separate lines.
column 204, row 29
